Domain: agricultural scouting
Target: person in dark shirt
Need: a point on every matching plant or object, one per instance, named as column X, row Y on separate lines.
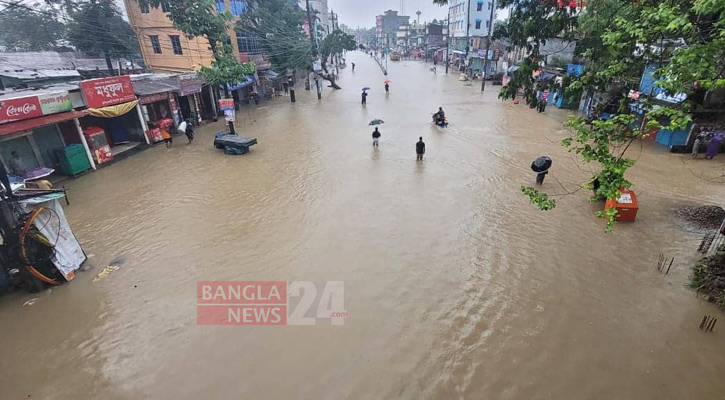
column 420, row 149
column 387, row 88
column 353, row 67
column 376, row 137
column 439, row 117
column 364, row 97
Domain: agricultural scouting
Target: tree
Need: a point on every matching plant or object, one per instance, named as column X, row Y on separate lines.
column 201, row 18
column 226, row 70
column 277, row 26
column 334, row 44
column 97, row 28
column 530, row 24
column 684, row 39
column 24, row 30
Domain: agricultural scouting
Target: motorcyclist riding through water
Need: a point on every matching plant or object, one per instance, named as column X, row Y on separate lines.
column 439, row 118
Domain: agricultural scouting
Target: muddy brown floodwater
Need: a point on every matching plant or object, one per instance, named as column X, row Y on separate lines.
column 455, row 286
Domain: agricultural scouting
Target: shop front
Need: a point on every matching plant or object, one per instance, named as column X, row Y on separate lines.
column 158, row 105
column 40, row 134
column 190, row 103
column 242, row 91
column 113, row 124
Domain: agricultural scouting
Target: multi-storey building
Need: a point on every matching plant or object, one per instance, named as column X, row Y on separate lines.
column 469, row 24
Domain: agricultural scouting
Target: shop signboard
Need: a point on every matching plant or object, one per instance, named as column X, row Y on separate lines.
column 153, row 98
column 226, row 104
column 109, row 91
column 190, row 84
column 54, row 103
column 34, row 106
column 19, row 109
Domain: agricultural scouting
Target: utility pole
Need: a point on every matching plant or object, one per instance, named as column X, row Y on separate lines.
column 488, row 48
column 448, row 40
column 468, row 28
column 313, row 41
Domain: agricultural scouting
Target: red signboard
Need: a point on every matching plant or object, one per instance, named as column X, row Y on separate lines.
column 107, row 91
column 19, row 109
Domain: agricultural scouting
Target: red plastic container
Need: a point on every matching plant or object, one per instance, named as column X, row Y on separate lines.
column 626, row 206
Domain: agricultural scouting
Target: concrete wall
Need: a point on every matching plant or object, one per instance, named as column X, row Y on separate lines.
column 196, row 51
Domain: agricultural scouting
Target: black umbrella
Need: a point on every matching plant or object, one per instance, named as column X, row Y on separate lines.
column 541, row 164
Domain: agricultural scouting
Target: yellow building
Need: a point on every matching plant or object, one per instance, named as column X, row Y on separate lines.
column 166, row 49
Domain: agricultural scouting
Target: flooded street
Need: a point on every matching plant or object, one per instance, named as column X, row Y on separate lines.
column 455, row 286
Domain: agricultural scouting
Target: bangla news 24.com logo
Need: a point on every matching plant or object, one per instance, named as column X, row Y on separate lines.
column 270, row 303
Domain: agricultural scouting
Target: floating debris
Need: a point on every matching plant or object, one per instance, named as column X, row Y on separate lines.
column 708, row 217
column 105, row 272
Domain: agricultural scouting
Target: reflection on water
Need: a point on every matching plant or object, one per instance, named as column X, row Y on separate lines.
column 454, row 285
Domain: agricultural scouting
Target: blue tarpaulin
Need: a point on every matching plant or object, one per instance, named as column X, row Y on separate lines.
column 250, row 80
column 575, row 70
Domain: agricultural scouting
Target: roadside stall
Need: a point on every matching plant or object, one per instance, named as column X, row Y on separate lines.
column 157, row 102
column 190, row 104
column 242, row 91
column 111, row 104
column 39, row 131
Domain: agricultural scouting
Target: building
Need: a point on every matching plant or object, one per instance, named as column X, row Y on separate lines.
column 469, row 23
column 392, row 29
column 166, row 49
column 436, row 40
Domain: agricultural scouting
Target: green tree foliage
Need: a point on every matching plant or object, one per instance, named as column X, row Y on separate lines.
column 530, row 24
column 96, row 27
column 201, row 18
column 277, row 26
column 196, row 18
column 335, row 43
column 226, row 69
column 686, row 40
column 23, row 30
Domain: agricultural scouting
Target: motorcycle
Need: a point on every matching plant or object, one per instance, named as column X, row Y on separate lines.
column 441, row 122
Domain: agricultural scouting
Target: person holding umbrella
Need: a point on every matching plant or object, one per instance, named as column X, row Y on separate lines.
column 376, row 132
column 364, row 96
column 541, row 166
column 387, row 86
column 376, row 137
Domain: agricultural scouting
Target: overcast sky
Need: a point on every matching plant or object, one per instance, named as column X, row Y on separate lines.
column 354, row 13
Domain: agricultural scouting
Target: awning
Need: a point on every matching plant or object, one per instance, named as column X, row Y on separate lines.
column 28, row 124
column 269, row 74
column 113, row 111
column 461, row 52
column 250, row 80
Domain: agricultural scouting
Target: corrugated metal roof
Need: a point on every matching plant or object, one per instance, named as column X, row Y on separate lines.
column 26, row 75
column 143, row 87
column 52, row 60
column 12, row 94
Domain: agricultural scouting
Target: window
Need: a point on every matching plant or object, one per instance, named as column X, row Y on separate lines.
column 248, row 44
column 487, row 24
column 220, row 6
column 176, row 44
column 489, row 5
column 478, row 24
column 479, row 6
column 238, row 7
column 155, row 44
column 165, row 6
column 144, row 8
